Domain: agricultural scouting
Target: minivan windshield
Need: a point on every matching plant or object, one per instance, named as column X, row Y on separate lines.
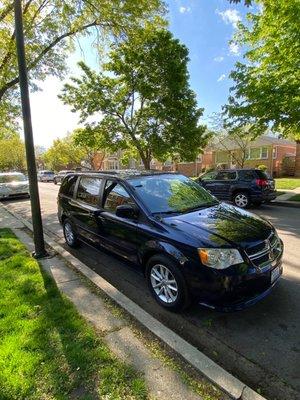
column 171, row 193
column 12, row 178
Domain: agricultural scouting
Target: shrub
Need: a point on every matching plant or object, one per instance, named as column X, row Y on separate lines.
column 262, row 167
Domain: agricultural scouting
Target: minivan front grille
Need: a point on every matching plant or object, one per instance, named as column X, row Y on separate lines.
column 266, row 251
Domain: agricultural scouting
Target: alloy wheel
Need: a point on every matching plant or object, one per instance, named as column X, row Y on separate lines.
column 69, row 234
column 241, row 200
column 164, row 283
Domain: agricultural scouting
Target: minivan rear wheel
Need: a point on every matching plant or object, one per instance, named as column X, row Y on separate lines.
column 166, row 283
column 241, row 199
column 70, row 234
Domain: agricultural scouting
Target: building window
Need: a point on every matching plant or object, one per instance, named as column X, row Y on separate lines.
column 132, row 163
column 222, row 157
column 264, row 153
column 274, row 152
column 257, row 153
column 113, row 164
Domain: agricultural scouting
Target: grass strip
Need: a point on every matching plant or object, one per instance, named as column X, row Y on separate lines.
column 295, row 198
column 47, row 350
column 287, row 183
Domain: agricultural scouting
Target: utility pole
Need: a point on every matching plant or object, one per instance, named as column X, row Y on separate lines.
column 29, row 145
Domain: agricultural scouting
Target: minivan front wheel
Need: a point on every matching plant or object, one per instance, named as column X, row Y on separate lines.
column 70, row 234
column 166, row 283
column 241, row 199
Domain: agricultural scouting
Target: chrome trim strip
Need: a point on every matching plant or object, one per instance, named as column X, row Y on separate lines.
column 265, row 251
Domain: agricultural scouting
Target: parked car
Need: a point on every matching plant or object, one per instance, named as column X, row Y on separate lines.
column 45, row 176
column 189, row 245
column 13, row 184
column 60, row 175
column 241, row 186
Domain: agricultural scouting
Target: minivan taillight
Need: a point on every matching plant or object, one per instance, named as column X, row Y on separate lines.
column 261, row 182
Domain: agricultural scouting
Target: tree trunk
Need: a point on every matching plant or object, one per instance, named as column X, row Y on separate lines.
column 297, row 161
column 147, row 162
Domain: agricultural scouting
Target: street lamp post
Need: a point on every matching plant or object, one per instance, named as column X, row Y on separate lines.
column 29, row 145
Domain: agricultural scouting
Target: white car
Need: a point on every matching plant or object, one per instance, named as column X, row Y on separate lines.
column 45, row 176
column 13, row 184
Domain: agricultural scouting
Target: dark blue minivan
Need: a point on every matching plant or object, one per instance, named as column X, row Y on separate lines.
column 191, row 246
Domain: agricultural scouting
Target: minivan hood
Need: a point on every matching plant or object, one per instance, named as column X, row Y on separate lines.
column 223, row 223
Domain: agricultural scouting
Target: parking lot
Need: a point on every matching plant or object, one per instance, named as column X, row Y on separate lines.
column 259, row 345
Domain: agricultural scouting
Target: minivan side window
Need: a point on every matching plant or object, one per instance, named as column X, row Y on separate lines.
column 115, row 195
column 89, row 190
column 68, row 185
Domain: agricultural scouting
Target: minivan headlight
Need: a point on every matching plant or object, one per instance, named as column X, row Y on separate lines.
column 220, row 258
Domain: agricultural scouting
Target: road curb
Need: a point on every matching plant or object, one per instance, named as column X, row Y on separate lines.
column 207, row 367
column 290, row 204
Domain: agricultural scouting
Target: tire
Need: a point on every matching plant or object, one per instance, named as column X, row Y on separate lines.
column 161, row 266
column 54, row 181
column 241, row 199
column 70, row 234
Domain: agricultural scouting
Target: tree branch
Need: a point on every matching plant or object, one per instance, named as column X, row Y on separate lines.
column 46, row 50
column 6, row 11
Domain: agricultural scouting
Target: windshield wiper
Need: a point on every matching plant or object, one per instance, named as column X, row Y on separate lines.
column 166, row 212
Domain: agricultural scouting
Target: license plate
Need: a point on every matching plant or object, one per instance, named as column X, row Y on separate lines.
column 275, row 274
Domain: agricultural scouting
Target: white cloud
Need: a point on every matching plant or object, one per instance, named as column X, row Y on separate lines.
column 221, row 78
column 184, row 10
column 219, row 59
column 234, row 49
column 230, row 16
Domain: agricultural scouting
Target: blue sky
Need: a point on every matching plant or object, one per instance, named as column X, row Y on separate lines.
column 204, row 26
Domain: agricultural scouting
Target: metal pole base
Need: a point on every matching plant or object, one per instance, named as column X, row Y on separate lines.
column 37, row 256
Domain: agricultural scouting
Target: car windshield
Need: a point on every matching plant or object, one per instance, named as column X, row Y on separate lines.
column 12, row 178
column 170, row 193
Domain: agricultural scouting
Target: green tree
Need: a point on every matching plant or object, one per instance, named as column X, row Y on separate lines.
column 51, row 28
column 64, row 154
column 246, row 2
column 94, row 141
column 12, row 154
column 143, row 97
column 266, row 86
column 234, row 141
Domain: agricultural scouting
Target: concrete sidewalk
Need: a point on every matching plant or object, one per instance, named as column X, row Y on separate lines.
column 162, row 381
column 283, row 199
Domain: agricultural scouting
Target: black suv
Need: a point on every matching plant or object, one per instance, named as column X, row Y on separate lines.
column 242, row 186
column 188, row 243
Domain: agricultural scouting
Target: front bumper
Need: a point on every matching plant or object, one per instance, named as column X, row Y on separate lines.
column 14, row 195
column 264, row 196
column 234, row 290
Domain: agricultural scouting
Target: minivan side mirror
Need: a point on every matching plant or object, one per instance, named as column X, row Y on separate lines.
column 127, row 211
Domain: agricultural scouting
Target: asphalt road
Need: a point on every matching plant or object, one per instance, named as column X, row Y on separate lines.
column 261, row 345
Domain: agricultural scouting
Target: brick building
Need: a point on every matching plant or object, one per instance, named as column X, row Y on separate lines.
column 265, row 150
